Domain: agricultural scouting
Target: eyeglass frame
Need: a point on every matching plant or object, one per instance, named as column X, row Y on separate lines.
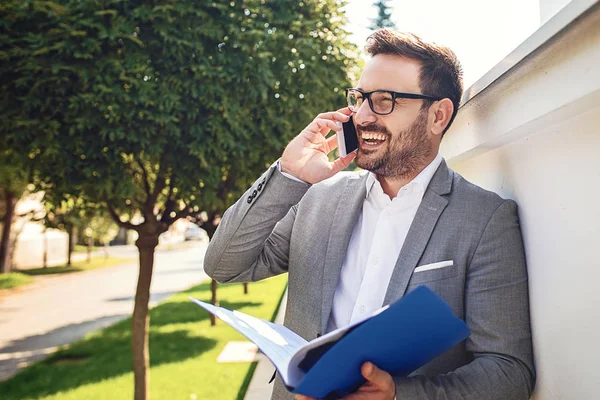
column 395, row 95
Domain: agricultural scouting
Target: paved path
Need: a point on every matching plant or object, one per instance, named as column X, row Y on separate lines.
column 61, row 309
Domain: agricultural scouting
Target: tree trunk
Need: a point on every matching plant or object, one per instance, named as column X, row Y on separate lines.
column 89, row 248
column 70, row 248
column 12, row 245
column 11, row 202
column 45, row 255
column 245, row 287
column 146, row 245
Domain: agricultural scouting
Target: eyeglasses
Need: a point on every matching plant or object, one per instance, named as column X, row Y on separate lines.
column 382, row 102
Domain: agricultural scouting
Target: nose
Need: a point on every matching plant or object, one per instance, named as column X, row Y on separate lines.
column 364, row 115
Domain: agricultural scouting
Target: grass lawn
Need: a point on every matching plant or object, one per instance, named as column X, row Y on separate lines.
column 13, row 280
column 183, row 352
column 82, row 248
column 96, row 262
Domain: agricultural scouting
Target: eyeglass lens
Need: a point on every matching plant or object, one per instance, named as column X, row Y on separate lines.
column 381, row 102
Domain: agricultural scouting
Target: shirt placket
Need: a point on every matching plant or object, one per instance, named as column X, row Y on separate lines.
column 368, row 299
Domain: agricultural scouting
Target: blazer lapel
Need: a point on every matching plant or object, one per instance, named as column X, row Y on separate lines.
column 428, row 213
column 346, row 214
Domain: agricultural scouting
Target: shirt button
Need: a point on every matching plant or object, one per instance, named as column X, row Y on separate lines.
column 375, row 260
column 362, row 309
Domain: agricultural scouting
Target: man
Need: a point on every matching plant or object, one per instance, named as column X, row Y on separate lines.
column 353, row 242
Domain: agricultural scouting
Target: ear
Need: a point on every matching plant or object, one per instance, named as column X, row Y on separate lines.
column 440, row 114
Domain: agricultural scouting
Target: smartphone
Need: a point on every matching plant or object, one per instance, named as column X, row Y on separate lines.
column 347, row 138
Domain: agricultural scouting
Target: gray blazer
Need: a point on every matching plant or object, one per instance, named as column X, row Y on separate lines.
column 280, row 225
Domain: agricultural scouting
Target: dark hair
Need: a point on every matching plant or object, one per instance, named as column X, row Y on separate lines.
column 440, row 73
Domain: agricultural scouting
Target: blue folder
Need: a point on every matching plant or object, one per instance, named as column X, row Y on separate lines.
column 405, row 336
column 398, row 339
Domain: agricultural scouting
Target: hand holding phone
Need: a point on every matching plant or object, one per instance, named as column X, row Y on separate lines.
column 347, row 138
column 306, row 157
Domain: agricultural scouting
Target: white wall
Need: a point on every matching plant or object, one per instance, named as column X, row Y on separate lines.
column 30, row 247
column 550, row 7
column 534, row 136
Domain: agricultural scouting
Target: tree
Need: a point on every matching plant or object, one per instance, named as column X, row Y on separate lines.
column 9, row 202
column 161, row 110
column 102, row 230
column 31, row 116
column 76, row 216
column 384, row 16
column 13, row 184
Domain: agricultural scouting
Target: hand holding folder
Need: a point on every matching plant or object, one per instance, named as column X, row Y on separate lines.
column 398, row 338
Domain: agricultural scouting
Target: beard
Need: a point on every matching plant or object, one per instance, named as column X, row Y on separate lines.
column 405, row 153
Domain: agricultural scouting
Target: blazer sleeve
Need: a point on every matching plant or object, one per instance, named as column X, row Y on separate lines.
column 253, row 239
column 497, row 312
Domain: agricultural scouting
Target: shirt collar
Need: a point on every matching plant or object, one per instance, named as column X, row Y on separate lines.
column 422, row 179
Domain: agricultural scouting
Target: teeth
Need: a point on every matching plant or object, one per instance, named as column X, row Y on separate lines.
column 376, row 136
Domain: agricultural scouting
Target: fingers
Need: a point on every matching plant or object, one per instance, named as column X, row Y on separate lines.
column 342, row 163
column 341, row 115
column 378, row 378
column 332, row 143
column 323, row 126
column 302, row 397
column 345, row 111
column 329, row 121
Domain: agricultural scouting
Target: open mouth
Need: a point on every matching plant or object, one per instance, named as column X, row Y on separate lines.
column 372, row 140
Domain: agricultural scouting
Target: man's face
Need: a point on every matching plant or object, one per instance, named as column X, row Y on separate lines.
column 396, row 145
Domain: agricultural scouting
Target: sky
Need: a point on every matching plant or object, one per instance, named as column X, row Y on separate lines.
column 480, row 32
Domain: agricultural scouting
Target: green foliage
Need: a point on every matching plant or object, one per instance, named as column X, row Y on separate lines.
column 164, row 109
column 101, row 228
column 184, row 350
column 384, row 16
column 91, row 219
column 13, row 178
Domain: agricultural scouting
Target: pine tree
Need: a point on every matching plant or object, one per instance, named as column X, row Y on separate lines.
column 384, row 15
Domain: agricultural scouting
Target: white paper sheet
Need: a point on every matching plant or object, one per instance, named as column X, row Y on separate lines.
column 277, row 342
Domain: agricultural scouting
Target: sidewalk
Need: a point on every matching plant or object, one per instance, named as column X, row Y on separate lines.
column 61, row 310
column 260, row 388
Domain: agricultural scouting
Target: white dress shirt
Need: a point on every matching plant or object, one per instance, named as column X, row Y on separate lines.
column 374, row 247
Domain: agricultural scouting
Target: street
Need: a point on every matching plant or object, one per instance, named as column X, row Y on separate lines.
column 58, row 310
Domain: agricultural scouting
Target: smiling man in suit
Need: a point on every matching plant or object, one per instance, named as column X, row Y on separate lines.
column 353, row 242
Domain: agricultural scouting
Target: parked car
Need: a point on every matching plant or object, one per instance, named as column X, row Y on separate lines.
column 193, row 232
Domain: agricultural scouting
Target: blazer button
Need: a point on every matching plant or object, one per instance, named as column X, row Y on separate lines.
column 260, row 187
column 254, row 193
column 249, row 199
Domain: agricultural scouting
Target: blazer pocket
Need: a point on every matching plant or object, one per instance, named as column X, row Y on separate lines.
column 434, row 272
column 437, row 265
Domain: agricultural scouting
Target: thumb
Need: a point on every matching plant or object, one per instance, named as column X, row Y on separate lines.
column 342, row 163
column 377, row 377
column 302, row 397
